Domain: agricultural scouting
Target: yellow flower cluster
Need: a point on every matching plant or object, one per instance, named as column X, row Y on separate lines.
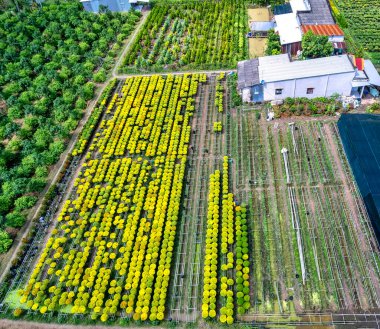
column 112, row 248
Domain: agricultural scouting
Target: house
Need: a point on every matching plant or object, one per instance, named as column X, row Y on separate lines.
column 319, row 13
column 278, row 77
column 113, row 5
column 292, row 19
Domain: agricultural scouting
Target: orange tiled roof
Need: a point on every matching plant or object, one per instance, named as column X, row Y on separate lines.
column 323, row 29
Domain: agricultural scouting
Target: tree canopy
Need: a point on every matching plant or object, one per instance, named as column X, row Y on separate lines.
column 315, row 46
column 50, row 57
column 274, row 45
column 5, row 241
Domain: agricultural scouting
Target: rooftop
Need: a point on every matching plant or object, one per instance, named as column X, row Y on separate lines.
column 320, row 14
column 288, row 27
column 261, row 26
column 282, row 9
column 248, row 74
column 323, row 29
column 281, row 68
column 371, row 72
column 300, row 5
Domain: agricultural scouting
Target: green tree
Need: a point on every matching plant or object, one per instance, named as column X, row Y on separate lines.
column 274, row 45
column 315, row 46
column 100, row 76
column 15, row 219
column 88, row 90
column 36, row 184
column 42, row 138
column 5, row 241
column 25, row 202
column 5, row 204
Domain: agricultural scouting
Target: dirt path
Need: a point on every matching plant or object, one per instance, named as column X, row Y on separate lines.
column 128, row 43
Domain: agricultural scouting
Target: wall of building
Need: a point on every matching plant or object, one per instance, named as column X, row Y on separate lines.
column 341, row 84
column 336, row 38
column 323, row 86
column 269, row 90
column 113, row 5
column 89, row 6
column 291, row 48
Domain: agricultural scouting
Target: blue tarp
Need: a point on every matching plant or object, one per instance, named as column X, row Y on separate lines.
column 360, row 135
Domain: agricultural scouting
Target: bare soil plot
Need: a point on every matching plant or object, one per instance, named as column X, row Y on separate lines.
column 258, row 15
column 257, row 47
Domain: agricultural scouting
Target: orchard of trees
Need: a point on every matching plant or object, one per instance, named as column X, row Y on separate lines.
column 191, row 35
column 50, row 58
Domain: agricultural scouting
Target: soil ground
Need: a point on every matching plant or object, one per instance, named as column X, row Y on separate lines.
column 258, row 15
column 257, row 47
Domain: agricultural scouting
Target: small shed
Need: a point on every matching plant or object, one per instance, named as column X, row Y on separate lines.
column 249, row 81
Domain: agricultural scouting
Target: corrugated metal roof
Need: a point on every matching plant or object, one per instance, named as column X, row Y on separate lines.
column 280, row 68
column 248, row 74
column 323, row 29
column 262, row 26
column 372, row 74
column 320, row 13
column 288, row 27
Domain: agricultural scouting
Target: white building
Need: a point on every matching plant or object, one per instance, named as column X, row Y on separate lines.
column 288, row 28
column 278, row 77
column 113, row 5
column 296, row 17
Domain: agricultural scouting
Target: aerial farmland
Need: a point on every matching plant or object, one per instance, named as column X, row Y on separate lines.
column 166, row 199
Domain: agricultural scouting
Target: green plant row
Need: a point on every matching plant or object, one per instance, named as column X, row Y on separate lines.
column 360, row 19
column 226, row 287
column 93, row 120
column 193, row 34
